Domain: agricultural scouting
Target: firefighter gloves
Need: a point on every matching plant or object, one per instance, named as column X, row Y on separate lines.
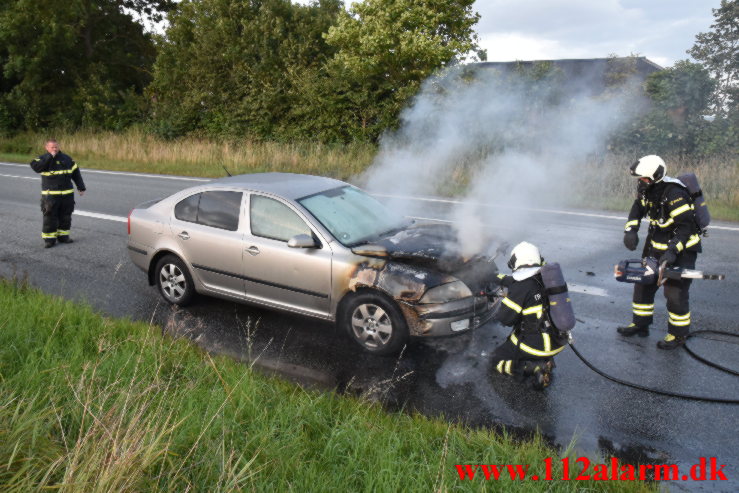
column 631, row 240
column 668, row 258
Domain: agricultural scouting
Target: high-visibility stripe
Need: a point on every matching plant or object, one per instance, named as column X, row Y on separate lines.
column 643, row 307
column 680, row 210
column 679, row 246
column 674, row 316
column 659, row 246
column 533, row 309
column 643, row 313
column 59, row 172
column 48, row 235
column 57, row 192
column 547, row 341
column 499, row 367
column 530, row 350
column 512, row 305
column 62, row 232
column 665, row 224
column 692, row 241
column 630, row 224
column 508, row 366
column 680, row 323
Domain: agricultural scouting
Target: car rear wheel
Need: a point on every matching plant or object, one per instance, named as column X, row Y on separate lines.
column 375, row 323
column 174, row 281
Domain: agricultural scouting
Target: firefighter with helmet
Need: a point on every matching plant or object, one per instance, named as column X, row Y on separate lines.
column 673, row 239
column 529, row 349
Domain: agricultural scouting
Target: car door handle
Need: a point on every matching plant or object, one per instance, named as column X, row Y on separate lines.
column 253, row 250
column 184, row 235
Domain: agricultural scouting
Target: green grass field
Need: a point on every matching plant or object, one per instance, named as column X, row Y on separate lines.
column 89, row 404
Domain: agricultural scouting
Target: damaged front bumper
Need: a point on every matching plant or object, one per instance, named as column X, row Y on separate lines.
column 444, row 319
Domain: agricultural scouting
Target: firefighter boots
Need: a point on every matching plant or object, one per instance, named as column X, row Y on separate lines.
column 633, row 329
column 671, row 342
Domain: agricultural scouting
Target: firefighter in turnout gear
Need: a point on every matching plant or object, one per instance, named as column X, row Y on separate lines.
column 529, row 349
column 673, row 239
column 57, row 171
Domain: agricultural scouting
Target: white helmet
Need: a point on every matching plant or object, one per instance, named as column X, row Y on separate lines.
column 652, row 167
column 524, row 255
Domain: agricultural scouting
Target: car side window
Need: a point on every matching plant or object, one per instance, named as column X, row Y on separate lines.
column 187, row 209
column 220, row 209
column 273, row 219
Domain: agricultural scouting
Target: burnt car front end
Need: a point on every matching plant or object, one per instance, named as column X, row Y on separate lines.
column 440, row 292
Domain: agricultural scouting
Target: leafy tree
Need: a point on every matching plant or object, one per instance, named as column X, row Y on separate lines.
column 74, row 62
column 676, row 123
column 235, row 67
column 385, row 49
column 718, row 49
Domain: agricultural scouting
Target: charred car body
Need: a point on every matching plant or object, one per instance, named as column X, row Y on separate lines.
column 314, row 246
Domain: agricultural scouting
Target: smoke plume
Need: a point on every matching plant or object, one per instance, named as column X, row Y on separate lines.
column 502, row 144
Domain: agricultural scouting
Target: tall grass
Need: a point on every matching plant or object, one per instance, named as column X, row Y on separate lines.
column 91, row 404
column 605, row 182
column 136, row 150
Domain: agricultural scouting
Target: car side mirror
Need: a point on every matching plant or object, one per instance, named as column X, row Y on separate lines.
column 302, row 241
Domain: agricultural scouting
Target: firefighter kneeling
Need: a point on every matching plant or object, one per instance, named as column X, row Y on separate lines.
column 533, row 291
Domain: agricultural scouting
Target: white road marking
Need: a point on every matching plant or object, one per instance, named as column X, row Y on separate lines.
column 122, row 173
column 430, row 219
column 97, row 215
column 421, row 199
column 585, row 289
column 531, row 209
column 23, row 177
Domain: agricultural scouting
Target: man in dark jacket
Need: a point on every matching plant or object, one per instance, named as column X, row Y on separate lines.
column 57, row 171
column 530, row 348
column 673, row 239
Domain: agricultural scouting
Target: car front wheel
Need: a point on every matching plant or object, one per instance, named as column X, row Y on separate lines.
column 174, row 281
column 375, row 323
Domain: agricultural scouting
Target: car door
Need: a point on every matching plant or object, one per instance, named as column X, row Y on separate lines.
column 206, row 228
column 297, row 279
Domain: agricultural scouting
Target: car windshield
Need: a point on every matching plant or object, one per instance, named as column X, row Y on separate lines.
column 352, row 216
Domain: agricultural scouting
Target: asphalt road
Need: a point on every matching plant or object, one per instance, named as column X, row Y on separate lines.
column 444, row 377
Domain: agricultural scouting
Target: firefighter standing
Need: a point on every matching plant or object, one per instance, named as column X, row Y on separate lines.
column 57, row 193
column 531, row 346
column 673, row 239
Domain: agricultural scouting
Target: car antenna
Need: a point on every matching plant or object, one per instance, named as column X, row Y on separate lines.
column 224, row 169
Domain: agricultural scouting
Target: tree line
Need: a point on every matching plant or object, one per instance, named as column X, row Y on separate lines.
column 278, row 70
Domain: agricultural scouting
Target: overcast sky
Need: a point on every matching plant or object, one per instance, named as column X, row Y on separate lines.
column 661, row 30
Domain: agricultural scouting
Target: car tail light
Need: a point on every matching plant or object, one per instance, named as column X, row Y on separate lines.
column 129, row 221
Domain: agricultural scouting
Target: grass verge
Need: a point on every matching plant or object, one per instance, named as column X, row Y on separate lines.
column 89, row 403
column 137, row 151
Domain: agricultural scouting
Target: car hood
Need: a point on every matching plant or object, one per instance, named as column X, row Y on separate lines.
column 435, row 247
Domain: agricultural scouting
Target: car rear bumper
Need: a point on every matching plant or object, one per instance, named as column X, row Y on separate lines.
column 445, row 319
column 140, row 255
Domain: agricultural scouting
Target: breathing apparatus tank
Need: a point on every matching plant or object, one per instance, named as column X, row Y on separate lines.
column 560, row 307
column 702, row 216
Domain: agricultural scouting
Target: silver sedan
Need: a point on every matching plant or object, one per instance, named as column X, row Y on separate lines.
column 313, row 246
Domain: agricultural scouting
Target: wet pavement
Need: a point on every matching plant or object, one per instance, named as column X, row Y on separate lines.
column 448, row 378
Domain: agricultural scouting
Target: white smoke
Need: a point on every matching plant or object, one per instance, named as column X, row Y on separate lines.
column 521, row 144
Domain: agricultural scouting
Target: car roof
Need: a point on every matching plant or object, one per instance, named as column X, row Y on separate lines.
column 289, row 185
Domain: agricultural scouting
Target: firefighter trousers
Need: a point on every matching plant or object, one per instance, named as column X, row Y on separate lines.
column 677, row 293
column 509, row 357
column 57, row 211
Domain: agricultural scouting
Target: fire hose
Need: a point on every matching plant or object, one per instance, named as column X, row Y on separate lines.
column 665, row 392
